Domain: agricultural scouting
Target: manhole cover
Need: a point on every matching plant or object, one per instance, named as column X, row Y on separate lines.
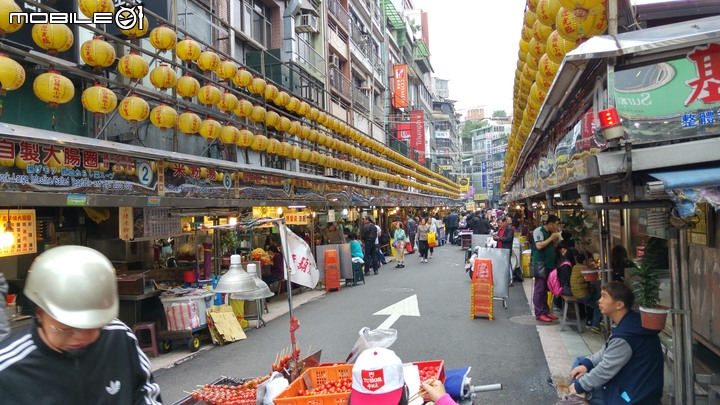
column 530, row 320
column 398, row 290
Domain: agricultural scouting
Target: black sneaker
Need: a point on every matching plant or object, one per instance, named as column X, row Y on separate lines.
column 375, row 272
column 397, row 266
column 402, row 266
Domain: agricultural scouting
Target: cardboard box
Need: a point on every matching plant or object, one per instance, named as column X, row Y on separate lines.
column 223, row 325
column 131, row 284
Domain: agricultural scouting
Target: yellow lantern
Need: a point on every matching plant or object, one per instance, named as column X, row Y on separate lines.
column 6, row 27
column 580, row 4
column 133, row 66
column 541, row 32
column 295, row 152
column 257, row 86
column 304, row 132
column 90, row 7
column 271, row 91
column 54, row 38
column 208, row 60
column 558, row 46
column 305, row 154
column 209, row 95
column 292, row 104
column 226, row 70
column 99, row 99
column 97, row 53
column 163, row 38
column 244, row 108
column 579, row 23
column 210, row 129
column 543, row 82
column 536, row 48
column 530, row 18
column 546, row 11
column 285, row 149
column 188, row 87
column 271, row 118
column 322, row 117
column 242, row 78
column 284, row 124
column 53, row 88
column 137, row 30
column 228, row 102
column 163, row 77
column 281, row 99
column 314, row 156
column 258, row 114
column 245, row 138
column 321, row 159
column 134, row 109
column 304, row 108
column 321, row 136
column 526, row 33
column 164, row 117
column 188, row 50
column 12, row 74
column 313, row 114
column 229, row 135
column 130, row 169
column 260, row 143
column 314, row 133
column 330, row 142
column 273, row 147
column 536, row 94
column 295, row 128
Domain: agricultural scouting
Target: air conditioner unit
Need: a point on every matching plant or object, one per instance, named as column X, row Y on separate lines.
column 335, row 61
column 306, row 23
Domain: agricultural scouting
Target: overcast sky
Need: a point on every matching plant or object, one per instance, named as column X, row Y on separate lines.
column 474, row 44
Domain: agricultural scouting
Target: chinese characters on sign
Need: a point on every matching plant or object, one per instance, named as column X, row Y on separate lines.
column 706, row 85
column 23, row 225
column 126, row 223
column 297, row 218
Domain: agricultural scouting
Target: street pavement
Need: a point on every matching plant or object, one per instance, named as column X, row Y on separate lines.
column 513, row 349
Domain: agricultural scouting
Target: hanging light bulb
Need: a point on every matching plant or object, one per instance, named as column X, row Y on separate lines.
column 233, row 221
column 279, row 211
column 8, row 237
column 345, row 211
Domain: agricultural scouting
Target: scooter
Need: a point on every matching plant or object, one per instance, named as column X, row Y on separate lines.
column 459, row 385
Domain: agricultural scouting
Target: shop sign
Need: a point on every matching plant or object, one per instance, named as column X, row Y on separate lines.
column 464, row 183
column 264, row 186
column 470, row 206
column 480, row 197
column 400, row 95
column 153, row 222
column 76, row 200
column 417, row 134
column 186, row 180
column 297, row 218
column 307, row 189
column 126, row 223
column 265, row 212
column 24, row 231
column 403, row 132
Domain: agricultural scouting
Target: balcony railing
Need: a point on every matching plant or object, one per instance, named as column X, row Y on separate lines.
column 340, row 82
column 306, row 54
column 361, row 99
column 378, row 114
column 339, row 12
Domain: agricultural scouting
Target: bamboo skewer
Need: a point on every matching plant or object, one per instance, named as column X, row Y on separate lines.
column 421, row 391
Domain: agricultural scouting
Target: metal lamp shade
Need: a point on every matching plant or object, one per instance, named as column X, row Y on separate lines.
column 262, row 290
column 236, row 280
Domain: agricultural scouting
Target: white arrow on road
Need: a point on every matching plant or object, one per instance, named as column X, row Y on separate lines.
column 406, row 307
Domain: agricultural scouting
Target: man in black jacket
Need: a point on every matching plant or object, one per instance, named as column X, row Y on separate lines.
column 368, row 236
column 77, row 352
column 451, row 221
column 479, row 224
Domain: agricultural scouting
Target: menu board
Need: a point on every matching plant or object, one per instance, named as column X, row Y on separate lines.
column 23, row 231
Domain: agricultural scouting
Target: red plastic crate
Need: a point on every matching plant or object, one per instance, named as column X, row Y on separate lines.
column 434, row 363
column 317, row 375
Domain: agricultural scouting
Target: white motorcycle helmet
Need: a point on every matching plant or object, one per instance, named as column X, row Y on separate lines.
column 75, row 285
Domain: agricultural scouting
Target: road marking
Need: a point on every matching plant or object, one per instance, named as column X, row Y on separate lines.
column 406, row 307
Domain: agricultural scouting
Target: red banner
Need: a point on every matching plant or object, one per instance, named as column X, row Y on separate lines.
column 403, row 132
column 417, row 134
column 400, row 97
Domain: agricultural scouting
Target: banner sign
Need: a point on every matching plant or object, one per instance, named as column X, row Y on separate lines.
column 23, row 231
column 299, row 259
column 403, row 132
column 400, row 96
column 417, row 134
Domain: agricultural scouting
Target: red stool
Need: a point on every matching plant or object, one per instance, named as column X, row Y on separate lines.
column 149, row 326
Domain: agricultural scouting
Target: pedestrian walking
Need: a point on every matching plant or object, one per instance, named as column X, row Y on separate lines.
column 368, row 236
column 411, row 230
column 422, row 240
column 400, row 241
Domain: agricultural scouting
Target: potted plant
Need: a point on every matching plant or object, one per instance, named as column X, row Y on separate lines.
column 646, row 286
column 229, row 242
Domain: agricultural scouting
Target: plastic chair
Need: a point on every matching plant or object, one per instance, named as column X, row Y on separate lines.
column 149, row 326
column 571, row 300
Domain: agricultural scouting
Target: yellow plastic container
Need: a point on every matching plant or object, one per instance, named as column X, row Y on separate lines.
column 526, row 263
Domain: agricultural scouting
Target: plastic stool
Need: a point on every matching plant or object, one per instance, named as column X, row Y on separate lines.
column 571, row 300
column 149, row 326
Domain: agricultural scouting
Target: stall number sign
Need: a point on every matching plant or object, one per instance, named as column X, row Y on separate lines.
column 297, row 218
column 24, row 232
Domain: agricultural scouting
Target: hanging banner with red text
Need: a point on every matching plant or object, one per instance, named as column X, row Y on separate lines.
column 400, row 97
column 417, row 134
column 403, row 132
column 299, row 259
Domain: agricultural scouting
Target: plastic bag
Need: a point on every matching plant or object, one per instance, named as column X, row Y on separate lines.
column 370, row 339
column 271, row 388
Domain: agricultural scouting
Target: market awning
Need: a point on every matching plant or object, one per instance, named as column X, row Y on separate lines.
column 689, row 178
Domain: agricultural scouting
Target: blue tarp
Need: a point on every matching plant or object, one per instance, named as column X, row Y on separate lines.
column 698, row 178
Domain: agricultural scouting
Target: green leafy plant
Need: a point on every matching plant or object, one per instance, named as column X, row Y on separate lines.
column 229, row 242
column 579, row 226
column 646, row 279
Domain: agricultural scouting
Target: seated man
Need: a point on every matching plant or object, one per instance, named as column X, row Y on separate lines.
column 629, row 368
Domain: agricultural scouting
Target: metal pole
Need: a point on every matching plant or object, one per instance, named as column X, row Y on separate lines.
column 676, row 303
column 689, row 378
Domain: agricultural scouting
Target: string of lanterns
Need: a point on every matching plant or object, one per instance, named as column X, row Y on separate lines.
column 551, row 29
column 54, row 89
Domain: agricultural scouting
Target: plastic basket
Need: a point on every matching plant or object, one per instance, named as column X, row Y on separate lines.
column 317, row 376
column 434, row 363
column 590, row 275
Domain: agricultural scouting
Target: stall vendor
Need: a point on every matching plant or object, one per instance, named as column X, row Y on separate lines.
column 333, row 234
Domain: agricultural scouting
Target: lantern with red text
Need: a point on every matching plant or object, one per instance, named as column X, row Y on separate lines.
column 227, row 102
column 208, row 60
column 243, row 109
column 53, row 88
column 6, row 25
column 245, row 138
column 90, row 7
column 163, row 38
column 163, row 77
column 189, row 123
column 258, row 114
column 209, row 95
column 54, row 38
column 133, row 66
column 99, row 99
column 260, row 143
column 295, row 152
column 242, row 78
column 163, row 117
column 281, row 99
column 274, row 147
column 257, row 86
column 210, row 129
column 97, row 53
column 229, row 135
column 226, row 70
column 187, row 50
column 139, row 29
column 187, row 87
column 134, row 109
column 12, row 74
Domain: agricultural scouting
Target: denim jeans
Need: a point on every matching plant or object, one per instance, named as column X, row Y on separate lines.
column 594, row 397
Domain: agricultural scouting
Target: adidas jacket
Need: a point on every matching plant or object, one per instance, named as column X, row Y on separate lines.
column 113, row 370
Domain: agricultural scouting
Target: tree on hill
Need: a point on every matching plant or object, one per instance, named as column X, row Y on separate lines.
column 499, row 114
column 470, row 126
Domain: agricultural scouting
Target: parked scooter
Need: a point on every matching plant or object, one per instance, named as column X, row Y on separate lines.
column 459, row 385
